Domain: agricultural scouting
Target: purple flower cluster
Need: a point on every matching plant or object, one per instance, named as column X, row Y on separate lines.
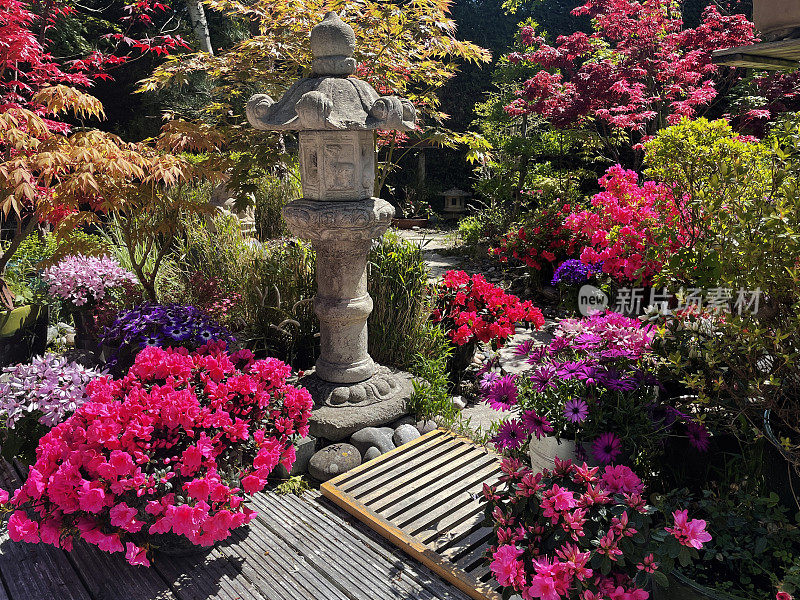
column 49, row 388
column 165, row 325
column 573, row 272
column 593, row 383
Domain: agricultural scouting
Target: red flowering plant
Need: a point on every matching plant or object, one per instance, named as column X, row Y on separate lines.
column 639, row 68
column 621, row 227
column 579, row 533
column 541, row 241
column 470, row 309
column 171, row 449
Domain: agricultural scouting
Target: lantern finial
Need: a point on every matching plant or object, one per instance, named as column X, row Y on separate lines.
column 333, row 43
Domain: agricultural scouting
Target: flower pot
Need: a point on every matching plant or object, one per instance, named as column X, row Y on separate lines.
column 172, row 544
column 544, row 451
column 683, row 588
column 460, row 359
column 23, row 334
column 776, row 19
column 409, row 223
column 86, row 337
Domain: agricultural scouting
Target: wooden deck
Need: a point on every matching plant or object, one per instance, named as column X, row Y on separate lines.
column 426, row 497
column 297, row 548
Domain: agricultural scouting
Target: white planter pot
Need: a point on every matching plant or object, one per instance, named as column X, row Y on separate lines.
column 543, row 452
column 775, row 19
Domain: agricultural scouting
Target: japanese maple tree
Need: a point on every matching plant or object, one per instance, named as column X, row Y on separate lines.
column 25, row 64
column 406, row 49
column 639, row 70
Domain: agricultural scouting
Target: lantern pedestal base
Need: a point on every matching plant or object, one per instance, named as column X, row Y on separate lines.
column 342, row 409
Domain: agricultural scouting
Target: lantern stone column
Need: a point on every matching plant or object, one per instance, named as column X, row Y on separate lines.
column 335, row 115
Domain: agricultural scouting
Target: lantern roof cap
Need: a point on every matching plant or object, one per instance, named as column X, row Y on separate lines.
column 330, row 98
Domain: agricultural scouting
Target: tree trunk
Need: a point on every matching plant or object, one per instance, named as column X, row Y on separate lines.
column 16, row 241
column 522, row 171
column 197, row 15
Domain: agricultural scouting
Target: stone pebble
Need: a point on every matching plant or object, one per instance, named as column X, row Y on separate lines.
column 333, row 460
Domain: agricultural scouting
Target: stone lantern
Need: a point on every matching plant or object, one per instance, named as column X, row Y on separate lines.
column 336, row 115
column 455, row 201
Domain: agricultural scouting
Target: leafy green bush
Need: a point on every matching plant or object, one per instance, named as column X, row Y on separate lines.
column 755, row 545
column 268, row 286
column 272, row 193
column 470, row 230
column 740, row 203
column 431, row 397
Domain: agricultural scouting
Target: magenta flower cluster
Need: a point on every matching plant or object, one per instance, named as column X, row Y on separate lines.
column 173, row 447
column 81, row 280
column 579, row 533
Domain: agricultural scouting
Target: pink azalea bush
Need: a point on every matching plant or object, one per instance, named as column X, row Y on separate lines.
column 82, row 280
column 579, row 533
column 174, row 447
column 622, row 225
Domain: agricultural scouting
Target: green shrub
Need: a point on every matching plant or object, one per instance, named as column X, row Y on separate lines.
column 470, row 230
column 431, row 397
column 270, row 285
column 398, row 284
column 273, row 192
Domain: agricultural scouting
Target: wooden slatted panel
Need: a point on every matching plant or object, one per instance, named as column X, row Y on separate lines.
column 425, row 497
column 784, row 54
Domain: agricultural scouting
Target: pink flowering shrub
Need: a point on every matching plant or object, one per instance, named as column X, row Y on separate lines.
column 173, row 447
column 624, row 226
column 82, row 280
column 580, row 533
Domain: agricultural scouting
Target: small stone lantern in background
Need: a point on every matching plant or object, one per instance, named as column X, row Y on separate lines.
column 335, row 115
column 455, row 201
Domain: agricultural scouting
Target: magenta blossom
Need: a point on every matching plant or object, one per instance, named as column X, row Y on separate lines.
column 510, row 435
column 508, row 570
column 606, row 448
column 537, row 425
column 503, row 394
column 698, row 436
column 576, row 410
column 689, row 533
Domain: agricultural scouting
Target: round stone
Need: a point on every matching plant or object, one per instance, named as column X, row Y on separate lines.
column 372, row 436
column 426, row 426
column 358, row 394
column 333, row 460
column 404, row 434
column 372, row 452
column 340, row 395
column 382, row 386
